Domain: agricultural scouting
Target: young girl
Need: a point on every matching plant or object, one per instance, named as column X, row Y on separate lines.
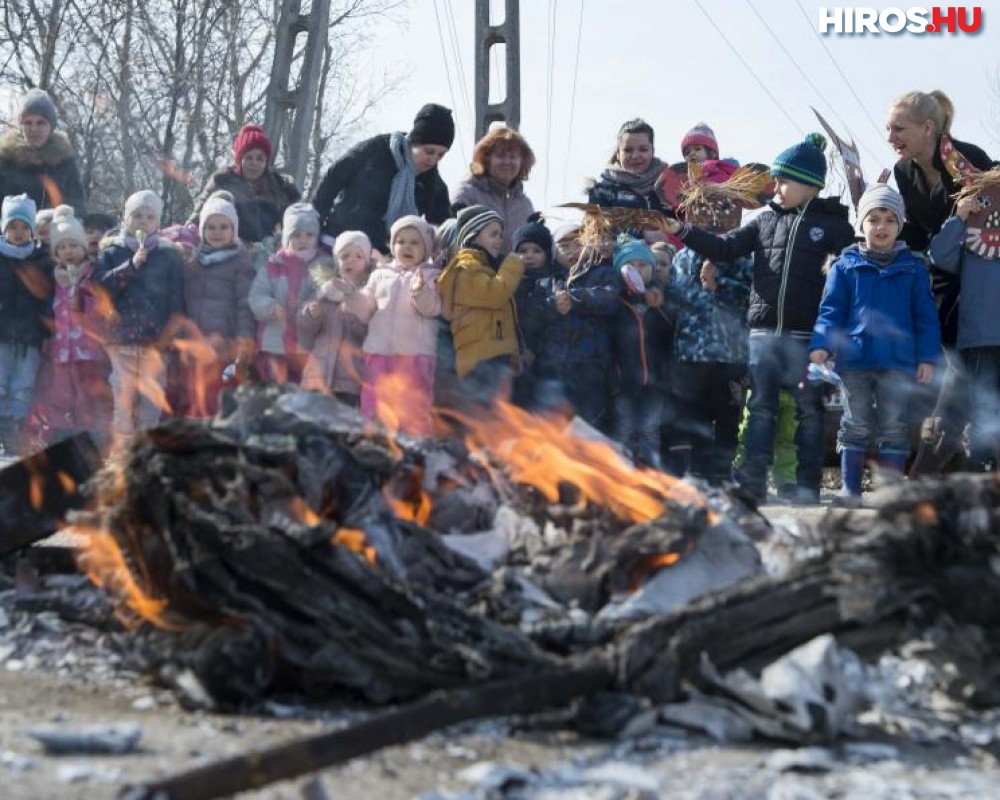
column 477, row 296
column 399, row 303
column 26, row 296
column 217, row 284
column 144, row 279
column 333, row 337
column 77, row 394
column 279, row 291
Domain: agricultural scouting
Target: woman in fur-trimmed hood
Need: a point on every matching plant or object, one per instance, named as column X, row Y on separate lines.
column 38, row 160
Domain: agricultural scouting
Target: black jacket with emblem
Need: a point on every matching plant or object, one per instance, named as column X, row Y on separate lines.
column 789, row 248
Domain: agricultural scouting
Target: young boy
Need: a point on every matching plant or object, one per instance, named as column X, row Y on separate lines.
column 26, row 297
column 879, row 321
column 789, row 243
column 144, row 278
column 533, row 242
column 96, row 225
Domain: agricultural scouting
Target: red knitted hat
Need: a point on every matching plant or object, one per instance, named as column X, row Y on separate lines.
column 702, row 135
column 251, row 137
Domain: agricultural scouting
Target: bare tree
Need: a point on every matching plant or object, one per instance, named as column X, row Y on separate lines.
column 152, row 92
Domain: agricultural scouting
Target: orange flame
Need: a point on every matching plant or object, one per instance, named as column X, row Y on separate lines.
column 99, row 555
column 356, row 541
column 648, row 566
column 52, row 191
column 300, row 511
column 539, row 452
column 170, row 168
column 416, row 510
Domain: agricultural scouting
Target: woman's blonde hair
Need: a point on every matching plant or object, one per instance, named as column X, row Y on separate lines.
column 935, row 106
column 501, row 137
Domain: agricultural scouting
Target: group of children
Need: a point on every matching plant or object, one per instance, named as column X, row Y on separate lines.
column 649, row 342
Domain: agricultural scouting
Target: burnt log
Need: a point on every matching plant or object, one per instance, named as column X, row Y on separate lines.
column 436, row 711
column 37, row 491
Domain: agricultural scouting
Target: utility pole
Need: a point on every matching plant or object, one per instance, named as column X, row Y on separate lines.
column 290, row 111
column 508, row 110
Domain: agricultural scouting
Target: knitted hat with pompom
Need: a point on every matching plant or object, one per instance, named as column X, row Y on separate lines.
column 803, row 162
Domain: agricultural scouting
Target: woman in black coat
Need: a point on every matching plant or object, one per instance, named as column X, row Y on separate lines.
column 38, row 160
column 387, row 177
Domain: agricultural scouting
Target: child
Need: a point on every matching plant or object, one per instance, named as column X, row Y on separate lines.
column 77, row 395
column 533, row 243
column 789, row 243
column 879, row 321
column 477, row 296
column 144, row 279
column 699, row 144
column 43, row 221
column 641, row 342
column 710, row 348
column 574, row 353
column 26, row 297
column 280, row 289
column 96, row 225
column 332, row 336
column 400, row 303
column 965, row 246
column 217, row 284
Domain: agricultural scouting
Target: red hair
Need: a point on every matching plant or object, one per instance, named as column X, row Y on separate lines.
column 501, row 138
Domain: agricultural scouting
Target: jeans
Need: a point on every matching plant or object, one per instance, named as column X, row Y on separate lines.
column 779, row 362
column 18, row 371
column 636, row 425
column 878, row 401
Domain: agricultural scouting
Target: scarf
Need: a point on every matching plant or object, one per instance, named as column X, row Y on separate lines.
column 16, row 251
column 882, row 258
column 640, row 184
column 292, row 266
column 70, row 275
column 207, row 256
column 402, row 194
column 125, row 239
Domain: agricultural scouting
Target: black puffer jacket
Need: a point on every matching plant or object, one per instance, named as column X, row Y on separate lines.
column 25, row 299
column 354, row 193
column 789, row 249
column 49, row 174
column 926, row 210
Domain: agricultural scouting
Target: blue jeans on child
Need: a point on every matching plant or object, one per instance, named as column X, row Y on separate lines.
column 636, row 425
column 780, row 361
column 878, row 401
column 18, row 370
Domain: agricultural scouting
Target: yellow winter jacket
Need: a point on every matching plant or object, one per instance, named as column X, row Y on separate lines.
column 479, row 303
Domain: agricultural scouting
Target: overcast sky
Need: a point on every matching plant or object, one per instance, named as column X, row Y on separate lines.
column 666, row 62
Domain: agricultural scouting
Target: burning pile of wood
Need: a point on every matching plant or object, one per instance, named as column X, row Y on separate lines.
column 289, row 546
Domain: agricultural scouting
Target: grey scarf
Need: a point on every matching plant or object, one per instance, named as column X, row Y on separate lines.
column 882, row 258
column 402, row 195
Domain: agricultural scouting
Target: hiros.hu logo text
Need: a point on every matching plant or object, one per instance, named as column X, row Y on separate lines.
column 939, row 19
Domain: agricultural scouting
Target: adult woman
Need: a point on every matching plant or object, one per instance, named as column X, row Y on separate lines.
column 260, row 193
column 917, row 121
column 629, row 179
column 38, row 160
column 501, row 162
column 388, row 177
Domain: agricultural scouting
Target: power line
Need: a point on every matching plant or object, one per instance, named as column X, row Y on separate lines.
column 807, row 79
column 878, row 129
column 447, row 74
column 457, row 50
column 749, row 69
column 572, row 101
column 551, row 67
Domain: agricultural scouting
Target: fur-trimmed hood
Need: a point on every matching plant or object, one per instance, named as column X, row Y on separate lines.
column 55, row 151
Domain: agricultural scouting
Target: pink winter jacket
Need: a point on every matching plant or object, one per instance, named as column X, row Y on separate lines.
column 400, row 323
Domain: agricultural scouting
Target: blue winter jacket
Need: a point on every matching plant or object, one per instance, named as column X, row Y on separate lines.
column 878, row 319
